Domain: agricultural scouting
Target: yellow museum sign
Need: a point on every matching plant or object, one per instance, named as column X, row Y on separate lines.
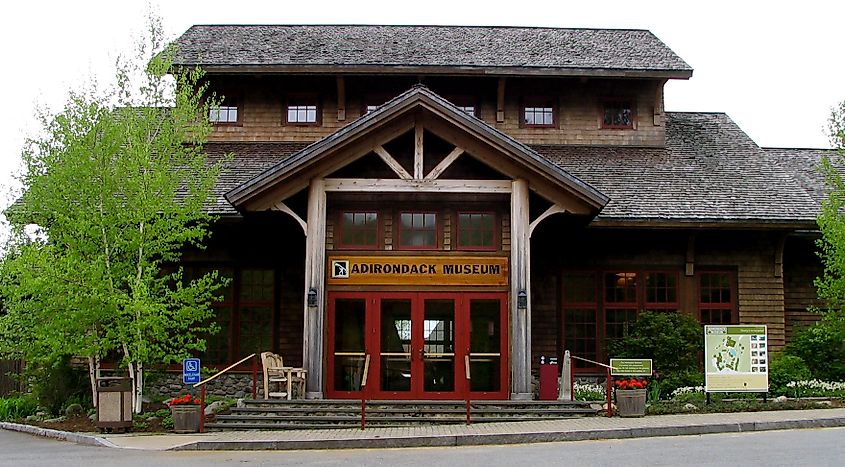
column 418, row 270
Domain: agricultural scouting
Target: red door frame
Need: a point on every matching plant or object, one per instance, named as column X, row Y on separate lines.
column 372, row 344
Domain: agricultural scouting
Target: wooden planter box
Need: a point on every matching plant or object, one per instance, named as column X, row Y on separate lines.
column 186, row 418
column 630, row 402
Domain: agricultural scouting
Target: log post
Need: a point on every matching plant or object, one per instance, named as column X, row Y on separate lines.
column 520, row 286
column 315, row 278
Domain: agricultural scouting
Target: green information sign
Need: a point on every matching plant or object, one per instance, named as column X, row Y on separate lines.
column 736, row 358
column 630, row 367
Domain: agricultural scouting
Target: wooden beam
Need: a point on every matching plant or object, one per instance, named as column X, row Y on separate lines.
column 553, row 209
column 658, row 103
column 280, row 206
column 392, row 163
column 315, row 277
column 689, row 270
column 418, row 150
column 341, row 99
column 444, row 164
column 781, row 245
column 500, row 101
column 520, row 283
column 384, row 185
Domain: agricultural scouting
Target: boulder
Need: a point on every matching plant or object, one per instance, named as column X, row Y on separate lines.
column 73, row 410
column 214, row 407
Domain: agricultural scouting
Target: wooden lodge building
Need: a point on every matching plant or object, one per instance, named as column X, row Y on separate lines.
column 453, row 199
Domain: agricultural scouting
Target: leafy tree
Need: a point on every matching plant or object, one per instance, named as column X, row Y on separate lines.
column 822, row 346
column 115, row 186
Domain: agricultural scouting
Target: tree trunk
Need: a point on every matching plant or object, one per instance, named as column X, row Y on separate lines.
column 138, row 394
column 93, row 371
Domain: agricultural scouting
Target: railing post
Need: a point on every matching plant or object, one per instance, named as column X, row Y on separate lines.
column 609, row 394
column 202, row 409
column 469, row 387
column 255, row 377
column 363, row 412
column 363, row 391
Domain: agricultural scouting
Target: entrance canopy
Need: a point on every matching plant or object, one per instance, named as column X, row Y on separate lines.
column 418, row 110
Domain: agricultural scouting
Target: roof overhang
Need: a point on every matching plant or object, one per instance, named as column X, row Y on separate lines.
column 417, row 106
column 452, row 70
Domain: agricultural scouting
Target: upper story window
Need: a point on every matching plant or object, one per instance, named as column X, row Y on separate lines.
column 618, row 114
column 467, row 104
column 417, row 231
column 538, row 113
column 358, row 229
column 302, row 111
column 476, row 231
column 226, row 112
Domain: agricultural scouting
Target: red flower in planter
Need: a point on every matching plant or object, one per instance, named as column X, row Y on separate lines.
column 187, row 399
column 631, row 383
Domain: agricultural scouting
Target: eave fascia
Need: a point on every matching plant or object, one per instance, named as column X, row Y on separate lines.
column 710, row 224
column 442, row 70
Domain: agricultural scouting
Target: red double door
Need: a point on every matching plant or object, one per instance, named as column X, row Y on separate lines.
column 419, row 345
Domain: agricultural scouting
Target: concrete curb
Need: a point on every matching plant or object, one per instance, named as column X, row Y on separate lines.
column 473, row 439
column 78, row 438
column 508, row 438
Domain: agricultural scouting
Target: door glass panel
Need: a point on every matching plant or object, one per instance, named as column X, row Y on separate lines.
column 439, row 345
column 349, row 344
column 485, row 344
column 395, row 345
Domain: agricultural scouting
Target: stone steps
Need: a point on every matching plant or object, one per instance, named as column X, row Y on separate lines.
column 320, row 414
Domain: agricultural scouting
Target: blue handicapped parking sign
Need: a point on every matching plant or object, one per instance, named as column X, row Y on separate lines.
column 191, row 370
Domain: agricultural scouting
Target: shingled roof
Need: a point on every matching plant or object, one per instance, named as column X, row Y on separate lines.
column 412, row 49
column 710, row 172
column 805, row 167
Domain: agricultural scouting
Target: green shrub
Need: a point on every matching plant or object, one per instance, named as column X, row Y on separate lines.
column 783, row 369
column 822, row 347
column 17, row 408
column 59, row 385
column 674, row 341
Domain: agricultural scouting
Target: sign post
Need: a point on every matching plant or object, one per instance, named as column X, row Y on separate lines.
column 191, row 370
column 736, row 358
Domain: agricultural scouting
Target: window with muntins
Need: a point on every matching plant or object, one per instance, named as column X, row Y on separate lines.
column 618, row 115
column 598, row 306
column 538, row 116
column 223, row 114
column 358, row 229
column 302, row 110
column 716, row 298
column 417, row 231
column 477, row 231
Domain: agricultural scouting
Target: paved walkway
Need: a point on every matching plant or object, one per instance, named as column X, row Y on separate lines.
column 462, row 435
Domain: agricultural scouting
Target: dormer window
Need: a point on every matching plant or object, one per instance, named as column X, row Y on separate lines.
column 618, row 115
column 302, row 111
column 538, row 112
column 226, row 112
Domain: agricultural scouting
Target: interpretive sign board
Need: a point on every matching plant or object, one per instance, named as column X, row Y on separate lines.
column 630, row 367
column 736, row 358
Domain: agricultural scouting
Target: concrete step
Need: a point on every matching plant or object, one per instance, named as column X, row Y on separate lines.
column 304, row 414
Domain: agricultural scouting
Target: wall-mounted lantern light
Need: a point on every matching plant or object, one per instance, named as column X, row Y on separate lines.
column 522, row 300
column 312, row 298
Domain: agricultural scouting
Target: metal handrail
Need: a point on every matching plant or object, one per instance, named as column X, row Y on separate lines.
column 219, row 374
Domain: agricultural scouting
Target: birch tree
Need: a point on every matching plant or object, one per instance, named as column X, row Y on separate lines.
column 115, row 187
